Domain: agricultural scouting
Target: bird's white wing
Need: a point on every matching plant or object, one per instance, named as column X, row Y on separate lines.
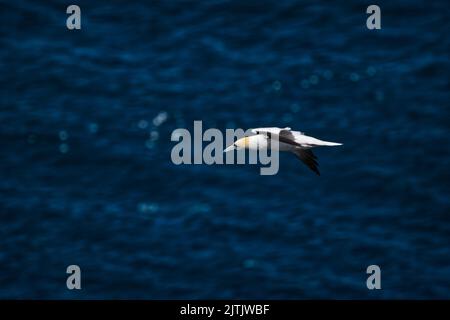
column 283, row 135
column 273, row 130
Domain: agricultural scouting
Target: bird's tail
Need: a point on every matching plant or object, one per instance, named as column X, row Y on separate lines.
column 312, row 142
column 329, row 144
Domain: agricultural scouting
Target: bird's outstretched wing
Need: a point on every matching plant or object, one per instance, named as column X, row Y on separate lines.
column 287, row 136
column 308, row 158
column 272, row 130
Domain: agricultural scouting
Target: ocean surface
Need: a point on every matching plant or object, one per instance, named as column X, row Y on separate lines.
column 86, row 176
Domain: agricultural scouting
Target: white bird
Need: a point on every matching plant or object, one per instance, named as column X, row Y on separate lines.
column 293, row 141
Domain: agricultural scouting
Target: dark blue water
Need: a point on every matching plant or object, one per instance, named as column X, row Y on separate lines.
column 86, row 176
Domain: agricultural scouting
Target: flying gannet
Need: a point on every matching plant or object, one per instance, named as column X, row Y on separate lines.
column 293, row 141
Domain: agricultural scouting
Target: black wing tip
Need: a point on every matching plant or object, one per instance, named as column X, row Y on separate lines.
column 309, row 159
column 315, row 169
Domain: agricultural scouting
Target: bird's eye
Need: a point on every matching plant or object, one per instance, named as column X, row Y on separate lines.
column 257, row 132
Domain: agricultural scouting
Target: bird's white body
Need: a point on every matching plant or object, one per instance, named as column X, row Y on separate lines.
column 297, row 137
column 279, row 139
column 260, row 142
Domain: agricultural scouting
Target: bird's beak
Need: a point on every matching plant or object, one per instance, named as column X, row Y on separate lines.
column 232, row 147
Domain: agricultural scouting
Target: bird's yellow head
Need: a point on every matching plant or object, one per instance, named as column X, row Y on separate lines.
column 242, row 143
